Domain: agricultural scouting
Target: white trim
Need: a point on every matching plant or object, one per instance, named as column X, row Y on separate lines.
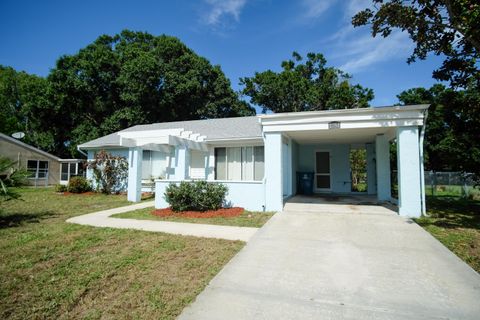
column 343, row 111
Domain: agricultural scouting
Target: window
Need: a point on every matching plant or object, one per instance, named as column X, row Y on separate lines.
column 70, row 169
column 38, row 169
column 239, row 163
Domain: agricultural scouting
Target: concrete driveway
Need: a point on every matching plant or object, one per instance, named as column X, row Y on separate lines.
column 340, row 261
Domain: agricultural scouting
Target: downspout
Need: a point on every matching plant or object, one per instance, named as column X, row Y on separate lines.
column 422, row 170
column 264, row 180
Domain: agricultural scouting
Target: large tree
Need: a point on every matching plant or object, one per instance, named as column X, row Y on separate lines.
column 305, row 86
column 136, row 78
column 24, row 106
column 443, row 27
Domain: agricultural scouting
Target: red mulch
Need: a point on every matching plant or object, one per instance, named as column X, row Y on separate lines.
column 224, row 212
column 66, row 193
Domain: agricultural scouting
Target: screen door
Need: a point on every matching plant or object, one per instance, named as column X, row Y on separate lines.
column 322, row 170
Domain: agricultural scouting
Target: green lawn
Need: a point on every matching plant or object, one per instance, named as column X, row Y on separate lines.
column 51, row 269
column 456, row 223
column 246, row 219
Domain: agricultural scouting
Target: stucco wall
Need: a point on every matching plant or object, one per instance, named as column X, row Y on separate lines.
column 22, row 155
column 339, row 163
column 248, row 195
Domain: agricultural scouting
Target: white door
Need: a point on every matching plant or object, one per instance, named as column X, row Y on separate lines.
column 322, row 171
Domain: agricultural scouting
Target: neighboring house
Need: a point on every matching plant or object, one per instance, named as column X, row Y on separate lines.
column 258, row 157
column 45, row 168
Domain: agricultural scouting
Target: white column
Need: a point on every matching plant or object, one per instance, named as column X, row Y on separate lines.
column 182, row 162
column 409, row 186
column 382, row 153
column 371, row 169
column 135, row 157
column 210, row 166
column 273, row 172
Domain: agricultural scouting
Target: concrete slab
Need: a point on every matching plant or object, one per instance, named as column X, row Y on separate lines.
column 341, row 261
column 103, row 219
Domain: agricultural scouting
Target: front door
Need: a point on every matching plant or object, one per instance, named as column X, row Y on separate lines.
column 322, row 171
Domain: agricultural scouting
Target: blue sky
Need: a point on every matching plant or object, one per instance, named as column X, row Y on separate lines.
column 243, row 36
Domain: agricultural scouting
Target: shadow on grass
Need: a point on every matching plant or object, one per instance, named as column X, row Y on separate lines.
column 10, row 220
column 449, row 212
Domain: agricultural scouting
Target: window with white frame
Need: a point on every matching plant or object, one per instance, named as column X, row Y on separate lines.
column 38, row 169
column 239, row 163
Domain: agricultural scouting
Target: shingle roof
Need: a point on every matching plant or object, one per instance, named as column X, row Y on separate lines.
column 212, row 129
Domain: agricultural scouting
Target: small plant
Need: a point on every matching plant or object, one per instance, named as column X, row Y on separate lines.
column 78, row 185
column 196, row 196
column 10, row 177
column 60, row 188
column 110, row 172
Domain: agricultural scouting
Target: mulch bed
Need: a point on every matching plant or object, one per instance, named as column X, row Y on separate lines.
column 224, row 212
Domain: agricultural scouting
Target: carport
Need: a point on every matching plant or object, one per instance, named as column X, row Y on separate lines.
column 320, row 142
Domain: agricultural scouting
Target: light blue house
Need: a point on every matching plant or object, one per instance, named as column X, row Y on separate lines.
column 258, row 157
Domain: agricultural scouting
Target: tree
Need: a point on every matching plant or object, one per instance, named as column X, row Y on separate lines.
column 443, row 27
column 24, row 107
column 10, row 177
column 452, row 140
column 116, row 82
column 306, row 86
column 136, row 78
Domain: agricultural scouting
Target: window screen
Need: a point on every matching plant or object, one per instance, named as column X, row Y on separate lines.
column 239, row 163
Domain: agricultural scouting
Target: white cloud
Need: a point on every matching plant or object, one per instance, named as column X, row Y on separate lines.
column 315, row 8
column 219, row 9
column 365, row 51
column 356, row 50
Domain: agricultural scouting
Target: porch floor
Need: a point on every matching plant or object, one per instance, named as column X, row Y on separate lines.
column 342, row 203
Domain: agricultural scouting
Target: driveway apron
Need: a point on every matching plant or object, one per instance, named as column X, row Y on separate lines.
column 341, row 261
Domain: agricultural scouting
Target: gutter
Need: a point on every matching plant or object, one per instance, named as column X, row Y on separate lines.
column 422, row 169
column 82, row 152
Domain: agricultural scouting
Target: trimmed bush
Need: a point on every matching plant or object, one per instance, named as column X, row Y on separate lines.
column 195, row 196
column 60, row 188
column 78, row 185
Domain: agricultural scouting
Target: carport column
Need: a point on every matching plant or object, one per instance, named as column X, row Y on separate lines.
column 135, row 158
column 408, row 162
column 382, row 153
column 182, row 162
column 273, row 172
column 371, row 170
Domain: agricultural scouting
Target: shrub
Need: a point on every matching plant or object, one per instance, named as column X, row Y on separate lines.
column 196, row 196
column 110, row 172
column 60, row 188
column 78, row 185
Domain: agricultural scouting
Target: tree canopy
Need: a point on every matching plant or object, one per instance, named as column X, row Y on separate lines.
column 117, row 81
column 443, row 27
column 305, row 86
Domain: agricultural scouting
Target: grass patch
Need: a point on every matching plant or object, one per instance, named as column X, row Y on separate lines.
column 456, row 223
column 246, row 219
column 51, row 269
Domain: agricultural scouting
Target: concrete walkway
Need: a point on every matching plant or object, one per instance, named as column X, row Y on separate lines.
column 340, row 261
column 103, row 219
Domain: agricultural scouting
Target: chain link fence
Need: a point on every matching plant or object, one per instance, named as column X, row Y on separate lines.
column 444, row 184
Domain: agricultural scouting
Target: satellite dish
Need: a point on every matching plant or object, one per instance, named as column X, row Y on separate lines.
column 18, row 135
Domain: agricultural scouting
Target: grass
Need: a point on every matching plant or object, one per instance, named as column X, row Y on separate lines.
column 456, row 223
column 51, row 269
column 246, row 219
